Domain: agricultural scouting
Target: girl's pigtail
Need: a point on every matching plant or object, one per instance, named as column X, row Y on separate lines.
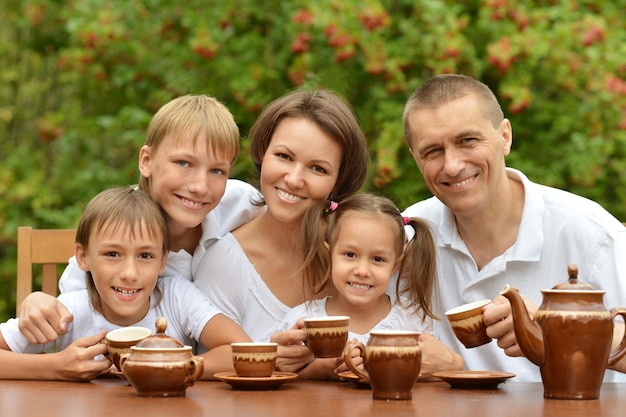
column 417, row 275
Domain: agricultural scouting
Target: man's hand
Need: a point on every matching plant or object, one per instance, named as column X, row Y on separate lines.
column 499, row 321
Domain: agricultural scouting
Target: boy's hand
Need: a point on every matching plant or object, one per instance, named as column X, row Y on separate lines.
column 43, row 318
column 77, row 363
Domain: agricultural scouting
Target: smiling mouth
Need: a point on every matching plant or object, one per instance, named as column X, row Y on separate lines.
column 360, row 287
column 289, row 197
column 125, row 293
column 190, row 203
column 460, row 184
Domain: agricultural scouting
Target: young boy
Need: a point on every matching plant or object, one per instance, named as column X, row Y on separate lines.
column 122, row 243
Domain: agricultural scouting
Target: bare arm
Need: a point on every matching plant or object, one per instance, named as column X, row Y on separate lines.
column 43, row 318
column 217, row 336
column 74, row 363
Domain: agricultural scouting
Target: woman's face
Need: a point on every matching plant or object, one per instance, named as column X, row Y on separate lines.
column 300, row 166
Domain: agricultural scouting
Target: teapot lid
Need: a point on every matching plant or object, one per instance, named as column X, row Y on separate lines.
column 160, row 339
column 573, row 284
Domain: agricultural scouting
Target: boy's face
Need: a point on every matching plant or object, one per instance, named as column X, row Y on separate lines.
column 187, row 179
column 125, row 265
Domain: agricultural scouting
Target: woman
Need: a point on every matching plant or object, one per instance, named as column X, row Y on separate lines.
column 306, row 146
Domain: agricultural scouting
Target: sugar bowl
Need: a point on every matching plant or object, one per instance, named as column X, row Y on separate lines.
column 161, row 366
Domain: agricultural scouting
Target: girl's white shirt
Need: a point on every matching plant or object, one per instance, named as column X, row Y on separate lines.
column 398, row 318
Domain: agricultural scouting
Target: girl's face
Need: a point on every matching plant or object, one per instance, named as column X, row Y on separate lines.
column 300, row 166
column 363, row 258
column 125, row 265
column 187, row 179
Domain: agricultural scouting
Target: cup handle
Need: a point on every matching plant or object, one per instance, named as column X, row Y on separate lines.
column 620, row 350
column 347, row 358
column 196, row 368
column 123, row 358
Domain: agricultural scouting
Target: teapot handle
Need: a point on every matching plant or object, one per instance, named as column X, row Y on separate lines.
column 196, row 368
column 347, row 357
column 620, row 351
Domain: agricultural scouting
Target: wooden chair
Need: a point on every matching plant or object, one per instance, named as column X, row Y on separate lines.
column 48, row 247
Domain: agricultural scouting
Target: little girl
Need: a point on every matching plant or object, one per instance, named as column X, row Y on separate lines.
column 122, row 242
column 360, row 245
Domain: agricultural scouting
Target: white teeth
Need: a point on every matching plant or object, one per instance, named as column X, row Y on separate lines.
column 125, row 293
column 462, row 183
column 190, row 203
column 362, row 287
column 288, row 196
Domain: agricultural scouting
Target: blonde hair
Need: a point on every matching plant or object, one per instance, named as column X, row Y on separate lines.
column 417, row 271
column 115, row 208
column 197, row 116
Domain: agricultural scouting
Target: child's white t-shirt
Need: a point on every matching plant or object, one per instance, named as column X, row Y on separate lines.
column 185, row 308
column 399, row 318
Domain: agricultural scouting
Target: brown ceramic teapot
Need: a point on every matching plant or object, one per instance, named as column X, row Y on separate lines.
column 570, row 338
column 160, row 366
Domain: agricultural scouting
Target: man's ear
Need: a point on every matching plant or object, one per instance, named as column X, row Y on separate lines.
column 81, row 257
column 507, row 136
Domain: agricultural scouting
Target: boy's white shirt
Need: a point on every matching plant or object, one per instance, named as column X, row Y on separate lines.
column 235, row 208
column 185, row 308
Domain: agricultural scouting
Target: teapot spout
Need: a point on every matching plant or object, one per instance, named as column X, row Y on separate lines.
column 528, row 333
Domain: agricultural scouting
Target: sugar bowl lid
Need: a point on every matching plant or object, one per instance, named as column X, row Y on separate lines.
column 160, row 339
column 572, row 284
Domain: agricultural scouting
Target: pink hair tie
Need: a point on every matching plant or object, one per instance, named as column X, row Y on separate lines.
column 333, row 205
column 406, row 220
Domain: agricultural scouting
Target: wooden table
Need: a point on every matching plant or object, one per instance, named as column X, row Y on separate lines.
column 113, row 397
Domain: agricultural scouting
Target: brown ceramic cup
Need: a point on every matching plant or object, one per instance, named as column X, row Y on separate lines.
column 327, row 336
column 392, row 361
column 254, row 360
column 467, row 323
column 119, row 341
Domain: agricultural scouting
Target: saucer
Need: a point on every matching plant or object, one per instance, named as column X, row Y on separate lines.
column 352, row 377
column 249, row 383
column 474, row 379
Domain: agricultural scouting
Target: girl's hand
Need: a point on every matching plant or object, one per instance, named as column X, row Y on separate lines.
column 293, row 355
column 77, row 361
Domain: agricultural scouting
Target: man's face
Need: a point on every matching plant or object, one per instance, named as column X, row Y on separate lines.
column 460, row 153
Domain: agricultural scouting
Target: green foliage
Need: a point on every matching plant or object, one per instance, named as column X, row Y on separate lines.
column 81, row 79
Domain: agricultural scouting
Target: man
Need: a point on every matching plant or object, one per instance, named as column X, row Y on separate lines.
column 495, row 227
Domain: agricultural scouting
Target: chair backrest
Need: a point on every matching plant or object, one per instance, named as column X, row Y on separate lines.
column 47, row 247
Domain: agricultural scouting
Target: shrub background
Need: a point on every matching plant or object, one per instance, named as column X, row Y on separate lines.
column 80, row 80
